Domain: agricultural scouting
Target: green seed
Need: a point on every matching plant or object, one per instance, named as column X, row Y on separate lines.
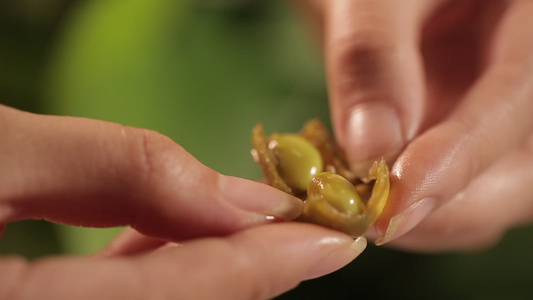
column 298, row 160
column 337, row 191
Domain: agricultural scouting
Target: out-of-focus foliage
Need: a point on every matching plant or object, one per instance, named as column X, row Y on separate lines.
column 200, row 73
column 26, row 30
column 204, row 72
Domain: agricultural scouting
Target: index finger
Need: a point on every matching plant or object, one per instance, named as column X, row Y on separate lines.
column 99, row 174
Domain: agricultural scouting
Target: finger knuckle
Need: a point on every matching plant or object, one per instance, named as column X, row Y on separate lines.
column 360, row 61
column 157, row 159
column 154, row 160
column 156, row 151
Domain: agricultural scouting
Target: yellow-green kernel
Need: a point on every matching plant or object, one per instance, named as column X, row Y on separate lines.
column 334, row 202
column 337, row 191
column 337, row 198
column 298, row 160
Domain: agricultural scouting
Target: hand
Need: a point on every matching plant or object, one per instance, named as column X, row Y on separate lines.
column 443, row 90
column 92, row 173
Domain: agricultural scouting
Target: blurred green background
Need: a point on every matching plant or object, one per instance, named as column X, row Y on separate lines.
column 204, row 72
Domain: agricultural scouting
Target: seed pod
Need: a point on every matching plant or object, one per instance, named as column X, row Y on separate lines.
column 298, row 160
column 265, row 158
column 316, row 132
column 332, row 201
column 379, row 174
column 335, row 199
column 288, row 161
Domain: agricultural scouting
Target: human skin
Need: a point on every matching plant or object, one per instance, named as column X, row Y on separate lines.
column 195, row 233
column 443, row 90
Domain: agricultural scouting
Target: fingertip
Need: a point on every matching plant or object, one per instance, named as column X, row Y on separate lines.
column 259, row 198
column 403, row 222
column 335, row 261
column 375, row 78
column 374, row 131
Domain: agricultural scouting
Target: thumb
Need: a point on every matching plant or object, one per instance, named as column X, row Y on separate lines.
column 258, row 263
column 375, row 77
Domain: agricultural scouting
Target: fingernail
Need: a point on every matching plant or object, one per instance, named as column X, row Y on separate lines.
column 374, row 131
column 260, row 198
column 406, row 220
column 338, row 257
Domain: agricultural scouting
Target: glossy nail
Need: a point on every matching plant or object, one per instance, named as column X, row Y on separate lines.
column 259, row 198
column 338, row 257
column 374, row 131
column 406, row 220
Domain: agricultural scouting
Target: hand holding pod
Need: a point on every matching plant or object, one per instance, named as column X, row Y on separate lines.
column 311, row 167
